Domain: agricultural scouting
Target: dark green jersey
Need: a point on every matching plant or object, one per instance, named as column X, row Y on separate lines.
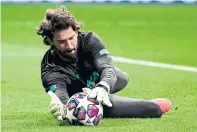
column 92, row 64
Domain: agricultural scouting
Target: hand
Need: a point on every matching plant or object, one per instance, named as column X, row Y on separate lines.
column 100, row 94
column 56, row 107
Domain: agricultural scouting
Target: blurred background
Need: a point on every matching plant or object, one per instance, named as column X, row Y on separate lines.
column 161, row 31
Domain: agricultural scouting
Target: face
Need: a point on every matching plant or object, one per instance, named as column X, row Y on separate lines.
column 65, row 42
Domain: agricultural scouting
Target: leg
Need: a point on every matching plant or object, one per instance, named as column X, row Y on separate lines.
column 131, row 108
column 122, row 81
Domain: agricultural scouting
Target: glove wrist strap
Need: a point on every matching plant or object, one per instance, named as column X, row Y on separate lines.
column 104, row 85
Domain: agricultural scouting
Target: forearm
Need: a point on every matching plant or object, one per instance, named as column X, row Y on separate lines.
column 107, row 71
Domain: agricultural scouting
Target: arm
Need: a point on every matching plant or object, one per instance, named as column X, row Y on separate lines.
column 102, row 61
column 55, row 86
column 55, row 82
column 105, row 67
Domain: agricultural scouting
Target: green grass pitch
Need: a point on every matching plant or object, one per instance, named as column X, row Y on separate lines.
column 147, row 32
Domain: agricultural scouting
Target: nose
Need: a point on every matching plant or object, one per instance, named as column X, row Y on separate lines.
column 69, row 45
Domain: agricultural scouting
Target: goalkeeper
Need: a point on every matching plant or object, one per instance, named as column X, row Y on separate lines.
column 79, row 61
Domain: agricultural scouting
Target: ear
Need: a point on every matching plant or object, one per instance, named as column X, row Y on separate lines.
column 50, row 41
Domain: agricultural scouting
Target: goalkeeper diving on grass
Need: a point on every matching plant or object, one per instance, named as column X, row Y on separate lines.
column 78, row 61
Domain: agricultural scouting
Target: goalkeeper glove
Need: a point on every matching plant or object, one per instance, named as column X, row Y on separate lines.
column 56, row 107
column 100, row 92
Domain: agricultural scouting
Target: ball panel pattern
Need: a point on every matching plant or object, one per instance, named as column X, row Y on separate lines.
column 80, row 113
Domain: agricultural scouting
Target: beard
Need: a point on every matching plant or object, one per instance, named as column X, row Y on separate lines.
column 67, row 55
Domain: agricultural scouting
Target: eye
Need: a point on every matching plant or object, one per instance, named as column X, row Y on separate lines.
column 60, row 42
column 71, row 38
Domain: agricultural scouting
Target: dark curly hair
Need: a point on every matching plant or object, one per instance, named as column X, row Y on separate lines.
column 56, row 19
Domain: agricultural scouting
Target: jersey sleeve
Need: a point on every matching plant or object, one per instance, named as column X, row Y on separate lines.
column 51, row 75
column 95, row 47
column 54, row 81
column 102, row 61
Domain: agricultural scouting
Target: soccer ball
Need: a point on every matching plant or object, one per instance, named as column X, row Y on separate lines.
column 83, row 110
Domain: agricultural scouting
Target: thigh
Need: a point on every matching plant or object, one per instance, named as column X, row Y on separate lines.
column 122, row 81
column 131, row 108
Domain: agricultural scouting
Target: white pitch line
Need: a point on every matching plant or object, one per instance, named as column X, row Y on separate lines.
column 117, row 59
column 155, row 64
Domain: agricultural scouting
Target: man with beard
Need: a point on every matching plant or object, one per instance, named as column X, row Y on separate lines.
column 79, row 61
